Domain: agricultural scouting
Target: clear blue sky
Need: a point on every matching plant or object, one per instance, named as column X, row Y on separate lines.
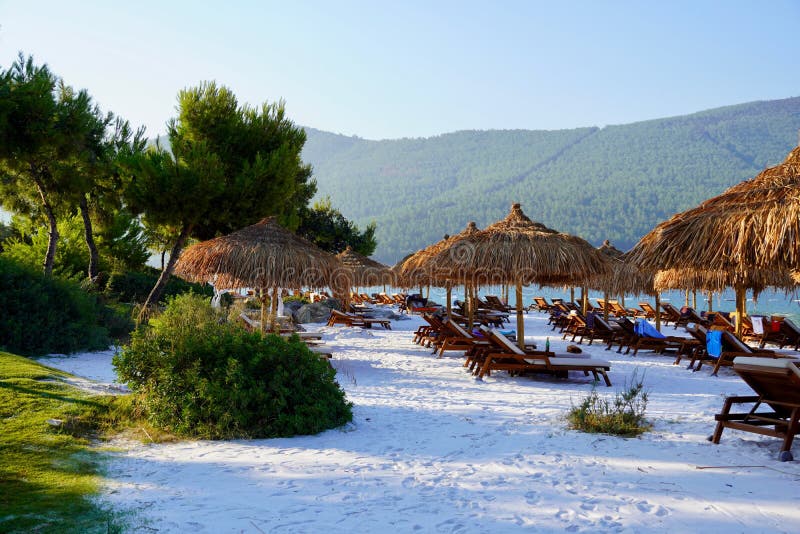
column 406, row 69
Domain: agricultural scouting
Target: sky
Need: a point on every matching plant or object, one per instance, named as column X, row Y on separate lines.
column 418, row 68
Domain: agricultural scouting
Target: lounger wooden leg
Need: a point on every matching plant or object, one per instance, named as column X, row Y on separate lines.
column 791, row 430
column 605, row 377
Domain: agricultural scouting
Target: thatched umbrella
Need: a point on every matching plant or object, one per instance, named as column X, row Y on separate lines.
column 366, row 272
column 263, row 256
column 752, row 225
column 517, row 250
column 419, row 266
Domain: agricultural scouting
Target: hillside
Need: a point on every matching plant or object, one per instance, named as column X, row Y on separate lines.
column 611, row 183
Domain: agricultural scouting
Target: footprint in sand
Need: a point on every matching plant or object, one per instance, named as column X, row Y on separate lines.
column 532, row 497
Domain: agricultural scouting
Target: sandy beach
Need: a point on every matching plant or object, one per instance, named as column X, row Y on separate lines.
column 431, row 449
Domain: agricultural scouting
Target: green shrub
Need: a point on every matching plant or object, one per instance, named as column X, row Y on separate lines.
column 296, row 298
column 198, row 375
column 43, row 314
column 622, row 416
column 132, row 286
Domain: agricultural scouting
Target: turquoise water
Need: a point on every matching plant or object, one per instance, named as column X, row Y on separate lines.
column 768, row 303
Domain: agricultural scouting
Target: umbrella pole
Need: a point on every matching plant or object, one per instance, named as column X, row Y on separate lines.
column 605, row 306
column 658, row 311
column 741, row 308
column 584, row 299
column 520, row 320
column 710, row 301
column 263, row 312
column 449, row 306
column 571, row 295
column 622, row 299
column 471, row 307
column 686, row 303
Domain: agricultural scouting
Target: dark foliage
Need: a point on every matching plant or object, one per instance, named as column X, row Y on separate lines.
column 134, row 286
column 43, row 314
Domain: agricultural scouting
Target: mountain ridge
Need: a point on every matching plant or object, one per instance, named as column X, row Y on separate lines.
column 613, row 182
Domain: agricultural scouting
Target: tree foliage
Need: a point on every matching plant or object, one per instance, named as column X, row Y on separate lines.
column 229, row 166
column 326, row 227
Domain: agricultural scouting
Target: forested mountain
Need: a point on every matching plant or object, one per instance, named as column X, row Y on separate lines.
column 615, row 182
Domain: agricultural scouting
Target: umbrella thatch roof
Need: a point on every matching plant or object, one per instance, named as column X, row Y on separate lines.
column 707, row 280
column 366, row 271
column 418, row 268
column 517, row 250
column 263, row 255
column 755, row 223
column 623, row 277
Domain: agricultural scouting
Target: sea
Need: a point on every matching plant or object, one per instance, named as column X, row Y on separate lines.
column 768, row 303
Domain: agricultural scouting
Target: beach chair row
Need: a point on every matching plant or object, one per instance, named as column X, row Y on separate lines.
column 488, row 349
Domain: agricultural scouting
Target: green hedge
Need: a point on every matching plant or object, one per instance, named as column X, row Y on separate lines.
column 42, row 315
column 195, row 374
column 132, row 286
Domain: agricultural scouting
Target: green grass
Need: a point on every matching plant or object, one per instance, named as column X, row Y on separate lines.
column 48, row 474
column 624, row 415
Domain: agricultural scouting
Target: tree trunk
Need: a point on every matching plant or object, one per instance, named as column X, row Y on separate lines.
column 94, row 256
column 155, row 295
column 52, row 236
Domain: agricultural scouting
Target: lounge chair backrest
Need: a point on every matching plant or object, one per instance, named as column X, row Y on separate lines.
column 791, row 326
column 505, row 342
column 737, row 344
column 590, row 317
column 457, row 328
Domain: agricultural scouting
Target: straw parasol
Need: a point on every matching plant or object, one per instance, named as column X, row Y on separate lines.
column 366, row 272
column 264, row 256
column 517, row 250
column 754, row 225
column 419, row 268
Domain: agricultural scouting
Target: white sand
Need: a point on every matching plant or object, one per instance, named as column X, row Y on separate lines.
column 431, row 449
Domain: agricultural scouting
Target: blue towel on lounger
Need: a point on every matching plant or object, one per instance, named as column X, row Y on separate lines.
column 645, row 329
column 714, row 343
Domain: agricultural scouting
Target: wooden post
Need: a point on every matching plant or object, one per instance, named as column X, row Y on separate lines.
column 741, row 308
column 710, row 301
column 520, row 319
column 584, row 300
column 572, row 294
column 470, row 307
column 263, row 296
column 658, row 311
column 687, row 299
column 605, row 306
column 449, row 305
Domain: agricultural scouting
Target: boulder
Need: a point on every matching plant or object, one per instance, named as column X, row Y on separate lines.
column 316, row 312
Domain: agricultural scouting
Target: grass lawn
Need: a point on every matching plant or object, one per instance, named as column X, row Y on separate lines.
column 48, row 471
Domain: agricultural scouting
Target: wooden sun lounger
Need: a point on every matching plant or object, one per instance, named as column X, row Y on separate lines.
column 539, row 304
column 454, row 337
column 777, row 386
column 348, row 319
column 510, row 357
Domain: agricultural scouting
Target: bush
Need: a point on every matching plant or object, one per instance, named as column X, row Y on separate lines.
column 44, row 314
column 623, row 416
column 132, row 286
column 197, row 375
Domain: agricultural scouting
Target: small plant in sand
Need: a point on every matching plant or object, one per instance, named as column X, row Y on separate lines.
column 624, row 415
